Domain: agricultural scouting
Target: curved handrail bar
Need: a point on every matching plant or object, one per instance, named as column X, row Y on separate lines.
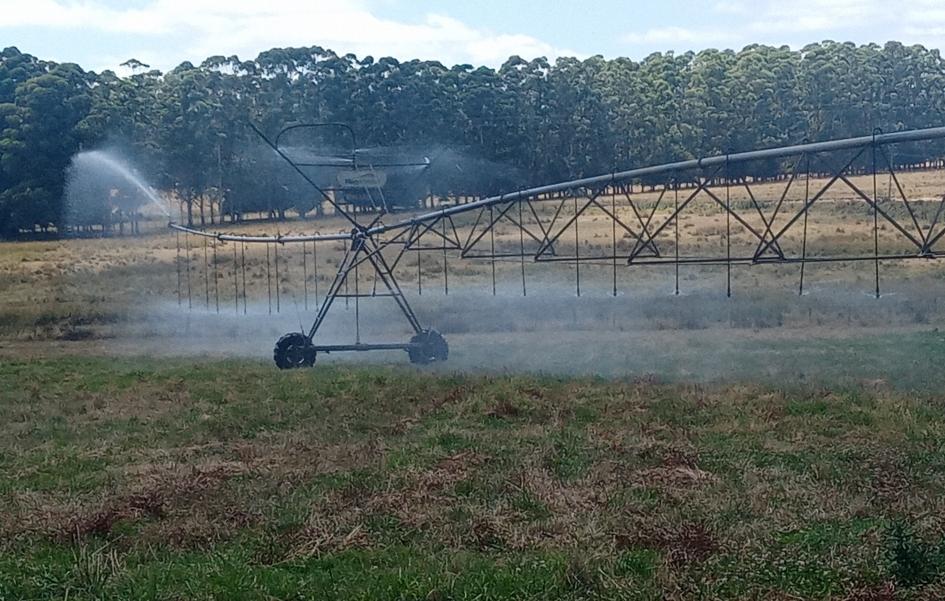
column 345, row 126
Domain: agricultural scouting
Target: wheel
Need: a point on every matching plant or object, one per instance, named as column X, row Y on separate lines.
column 428, row 346
column 294, row 350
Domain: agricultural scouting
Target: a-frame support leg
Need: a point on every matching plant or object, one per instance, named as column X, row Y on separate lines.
column 425, row 346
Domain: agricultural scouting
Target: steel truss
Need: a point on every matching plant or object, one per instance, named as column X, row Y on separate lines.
column 545, row 219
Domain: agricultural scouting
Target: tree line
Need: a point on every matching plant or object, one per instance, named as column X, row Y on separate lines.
column 538, row 120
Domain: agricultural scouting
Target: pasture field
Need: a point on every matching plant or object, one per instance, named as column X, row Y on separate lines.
column 170, row 479
column 643, row 446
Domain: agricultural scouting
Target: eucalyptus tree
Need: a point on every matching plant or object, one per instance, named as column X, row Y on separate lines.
column 189, row 130
column 41, row 131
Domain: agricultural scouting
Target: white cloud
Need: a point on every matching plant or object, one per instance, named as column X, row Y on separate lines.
column 674, row 36
column 246, row 27
column 731, row 7
column 55, row 14
column 736, row 23
column 925, row 21
column 803, row 16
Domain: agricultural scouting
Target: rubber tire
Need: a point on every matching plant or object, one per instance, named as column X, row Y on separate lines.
column 431, row 347
column 294, row 350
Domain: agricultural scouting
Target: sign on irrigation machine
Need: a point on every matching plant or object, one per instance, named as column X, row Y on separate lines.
column 763, row 201
column 359, row 179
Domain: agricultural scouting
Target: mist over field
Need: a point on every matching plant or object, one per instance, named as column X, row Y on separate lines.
column 837, row 331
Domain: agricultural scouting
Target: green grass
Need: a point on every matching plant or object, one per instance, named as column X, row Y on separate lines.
column 174, row 479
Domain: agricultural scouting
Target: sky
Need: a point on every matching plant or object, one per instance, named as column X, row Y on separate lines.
column 101, row 34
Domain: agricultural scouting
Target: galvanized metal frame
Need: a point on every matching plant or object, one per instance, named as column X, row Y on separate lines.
column 709, row 179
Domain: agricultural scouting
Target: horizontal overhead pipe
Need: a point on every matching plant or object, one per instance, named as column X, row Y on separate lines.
column 916, row 135
column 879, row 139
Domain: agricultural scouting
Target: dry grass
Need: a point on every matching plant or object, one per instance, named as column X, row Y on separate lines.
column 721, row 491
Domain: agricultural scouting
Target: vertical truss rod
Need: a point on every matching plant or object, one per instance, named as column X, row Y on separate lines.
column 676, row 227
column 305, row 275
column 275, row 256
column 492, row 244
column 180, row 298
column 613, row 235
column 268, row 278
column 216, row 279
column 206, row 273
column 315, row 268
column 521, row 246
column 577, row 251
column 800, row 289
column 728, row 231
column 243, row 270
column 875, row 218
column 236, row 282
column 446, row 275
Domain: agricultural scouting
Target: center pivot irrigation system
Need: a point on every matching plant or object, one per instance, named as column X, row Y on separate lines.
column 762, row 204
